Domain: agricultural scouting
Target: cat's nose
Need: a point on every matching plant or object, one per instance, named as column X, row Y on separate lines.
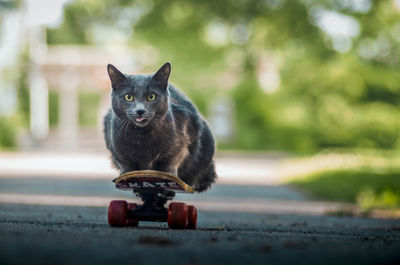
column 140, row 111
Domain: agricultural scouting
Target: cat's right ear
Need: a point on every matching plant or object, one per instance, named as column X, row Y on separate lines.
column 115, row 75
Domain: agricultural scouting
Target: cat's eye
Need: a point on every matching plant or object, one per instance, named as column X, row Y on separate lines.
column 129, row 97
column 151, row 97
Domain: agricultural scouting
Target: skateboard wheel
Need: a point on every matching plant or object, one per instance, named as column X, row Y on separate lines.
column 177, row 215
column 132, row 222
column 117, row 213
column 192, row 217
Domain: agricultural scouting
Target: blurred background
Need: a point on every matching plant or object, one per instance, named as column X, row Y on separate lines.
column 303, row 93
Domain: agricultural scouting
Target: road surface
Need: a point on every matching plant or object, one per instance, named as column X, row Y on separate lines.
column 31, row 234
column 61, row 219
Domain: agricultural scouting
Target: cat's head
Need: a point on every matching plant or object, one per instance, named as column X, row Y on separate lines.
column 140, row 98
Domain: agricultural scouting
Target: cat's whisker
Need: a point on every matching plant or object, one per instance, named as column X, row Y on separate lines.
column 127, row 126
column 120, row 129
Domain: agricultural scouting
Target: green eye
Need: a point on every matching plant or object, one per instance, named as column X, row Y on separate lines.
column 129, row 97
column 151, row 97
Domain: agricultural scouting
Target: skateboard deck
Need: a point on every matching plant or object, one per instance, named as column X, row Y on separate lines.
column 151, row 180
column 154, row 188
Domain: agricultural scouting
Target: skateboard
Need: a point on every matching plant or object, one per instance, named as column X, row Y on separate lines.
column 154, row 188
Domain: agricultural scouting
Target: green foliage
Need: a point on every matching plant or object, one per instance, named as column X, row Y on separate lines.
column 53, row 108
column 23, row 90
column 369, row 200
column 253, row 122
column 8, row 135
column 325, row 99
column 368, row 178
column 88, row 106
column 9, row 125
column 8, row 5
column 346, row 185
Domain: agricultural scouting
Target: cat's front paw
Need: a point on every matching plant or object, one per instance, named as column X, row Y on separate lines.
column 173, row 172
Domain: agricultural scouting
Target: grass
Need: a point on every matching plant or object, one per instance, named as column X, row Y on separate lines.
column 346, row 185
column 373, row 182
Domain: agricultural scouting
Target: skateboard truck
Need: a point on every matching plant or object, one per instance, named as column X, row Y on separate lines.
column 153, row 208
column 154, row 188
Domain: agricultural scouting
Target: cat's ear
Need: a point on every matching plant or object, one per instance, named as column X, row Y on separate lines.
column 115, row 75
column 162, row 74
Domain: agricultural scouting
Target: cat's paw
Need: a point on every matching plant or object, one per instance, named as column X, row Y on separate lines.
column 173, row 172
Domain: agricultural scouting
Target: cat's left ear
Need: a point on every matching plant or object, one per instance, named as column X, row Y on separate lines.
column 162, row 74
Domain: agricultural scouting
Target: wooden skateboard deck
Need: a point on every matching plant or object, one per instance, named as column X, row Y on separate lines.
column 151, row 180
column 154, row 188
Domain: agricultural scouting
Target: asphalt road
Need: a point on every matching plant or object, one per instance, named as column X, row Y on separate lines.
column 41, row 234
column 62, row 219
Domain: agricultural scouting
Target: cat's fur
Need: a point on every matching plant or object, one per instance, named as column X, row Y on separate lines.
column 173, row 138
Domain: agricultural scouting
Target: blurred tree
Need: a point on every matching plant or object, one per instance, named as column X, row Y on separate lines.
column 9, row 122
column 304, row 74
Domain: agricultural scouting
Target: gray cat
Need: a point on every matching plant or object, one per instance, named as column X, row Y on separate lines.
column 152, row 125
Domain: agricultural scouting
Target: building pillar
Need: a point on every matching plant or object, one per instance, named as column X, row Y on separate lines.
column 68, row 109
column 39, row 103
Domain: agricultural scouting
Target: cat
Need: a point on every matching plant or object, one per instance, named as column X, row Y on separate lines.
column 152, row 125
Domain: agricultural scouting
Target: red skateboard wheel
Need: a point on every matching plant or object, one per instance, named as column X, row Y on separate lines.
column 132, row 222
column 117, row 213
column 192, row 217
column 177, row 215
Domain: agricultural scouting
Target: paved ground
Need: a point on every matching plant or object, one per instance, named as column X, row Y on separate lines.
column 80, row 235
column 61, row 219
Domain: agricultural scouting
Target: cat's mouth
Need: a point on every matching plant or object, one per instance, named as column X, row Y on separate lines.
column 140, row 120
